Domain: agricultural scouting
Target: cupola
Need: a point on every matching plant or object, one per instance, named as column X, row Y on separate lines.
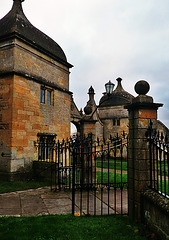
column 118, row 97
column 16, row 25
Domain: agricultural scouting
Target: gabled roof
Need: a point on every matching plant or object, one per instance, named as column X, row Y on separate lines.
column 15, row 24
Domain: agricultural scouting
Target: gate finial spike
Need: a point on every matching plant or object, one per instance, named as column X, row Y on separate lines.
column 155, row 132
column 98, row 141
column 162, row 136
column 158, row 134
column 166, row 138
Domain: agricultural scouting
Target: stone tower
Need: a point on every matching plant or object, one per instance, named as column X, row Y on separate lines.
column 34, row 91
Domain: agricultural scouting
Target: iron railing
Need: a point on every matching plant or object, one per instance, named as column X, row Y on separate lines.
column 95, row 171
column 159, row 160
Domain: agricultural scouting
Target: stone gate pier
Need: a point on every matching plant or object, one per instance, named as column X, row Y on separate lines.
column 141, row 111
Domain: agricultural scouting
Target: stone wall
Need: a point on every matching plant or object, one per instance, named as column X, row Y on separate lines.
column 114, row 119
column 23, row 71
column 6, row 86
column 19, row 57
column 113, row 130
column 110, row 112
column 155, row 213
column 29, row 117
column 162, row 128
column 45, row 171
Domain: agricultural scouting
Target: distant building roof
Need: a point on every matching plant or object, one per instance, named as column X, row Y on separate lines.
column 15, row 24
column 118, row 97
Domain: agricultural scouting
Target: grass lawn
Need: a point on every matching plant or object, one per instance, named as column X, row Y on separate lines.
column 19, row 186
column 102, row 177
column 112, row 164
column 68, row 227
column 163, row 187
column 163, row 167
column 118, row 178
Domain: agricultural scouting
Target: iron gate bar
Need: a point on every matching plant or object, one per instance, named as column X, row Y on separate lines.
column 82, row 177
column 121, row 151
column 160, row 153
column 73, row 183
column 65, row 157
column 168, row 163
column 69, row 165
column 102, row 158
column 58, row 154
column 153, row 167
column 164, row 171
column 95, row 180
column 115, row 177
column 87, row 157
column 108, row 178
column 156, row 147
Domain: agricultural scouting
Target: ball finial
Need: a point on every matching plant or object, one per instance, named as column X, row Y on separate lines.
column 19, row 0
column 142, row 87
column 88, row 110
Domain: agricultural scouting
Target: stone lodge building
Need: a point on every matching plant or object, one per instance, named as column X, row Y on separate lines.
column 109, row 117
column 35, row 101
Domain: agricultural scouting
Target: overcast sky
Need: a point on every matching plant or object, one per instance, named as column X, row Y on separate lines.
column 106, row 39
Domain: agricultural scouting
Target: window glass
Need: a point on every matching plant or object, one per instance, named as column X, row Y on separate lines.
column 42, row 95
column 118, row 122
column 48, row 97
column 114, row 122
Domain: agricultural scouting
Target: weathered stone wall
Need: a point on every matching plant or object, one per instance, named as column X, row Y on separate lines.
column 23, row 71
column 30, row 117
column 6, row 86
column 6, row 56
column 94, row 127
column 42, row 171
column 110, row 114
column 155, row 213
column 19, row 57
column 89, row 127
column 162, row 128
column 110, row 129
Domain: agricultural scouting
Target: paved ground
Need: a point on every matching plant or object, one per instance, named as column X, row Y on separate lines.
column 42, row 201
column 34, row 202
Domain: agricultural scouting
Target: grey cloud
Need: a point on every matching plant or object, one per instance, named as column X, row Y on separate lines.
column 108, row 39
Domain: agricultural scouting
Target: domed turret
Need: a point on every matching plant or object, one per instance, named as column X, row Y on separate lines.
column 15, row 24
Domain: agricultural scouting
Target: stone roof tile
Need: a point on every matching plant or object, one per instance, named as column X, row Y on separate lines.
column 15, row 23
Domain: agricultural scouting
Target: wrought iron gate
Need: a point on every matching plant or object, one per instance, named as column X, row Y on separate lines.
column 93, row 172
column 100, row 182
